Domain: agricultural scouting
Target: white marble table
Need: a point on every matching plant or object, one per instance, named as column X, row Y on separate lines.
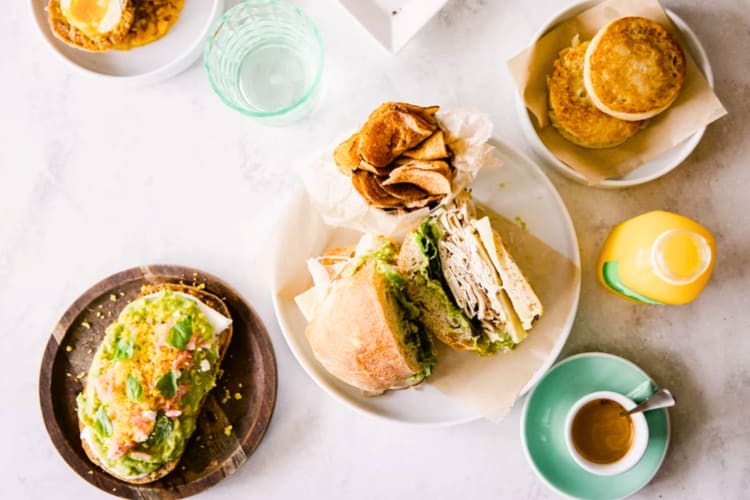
column 82, row 164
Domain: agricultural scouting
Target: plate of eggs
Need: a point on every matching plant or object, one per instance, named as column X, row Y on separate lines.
column 127, row 41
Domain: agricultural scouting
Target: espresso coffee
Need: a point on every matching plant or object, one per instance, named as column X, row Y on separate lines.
column 601, row 433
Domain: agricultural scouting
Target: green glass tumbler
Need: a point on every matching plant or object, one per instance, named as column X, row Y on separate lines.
column 264, row 58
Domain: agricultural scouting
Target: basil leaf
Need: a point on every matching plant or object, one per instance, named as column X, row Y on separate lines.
column 179, row 334
column 124, row 349
column 102, row 423
column 167, row 384
column 161, row 431
column 133, row 388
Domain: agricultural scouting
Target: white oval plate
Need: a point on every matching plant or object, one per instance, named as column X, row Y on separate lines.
column 652, row 169
column 151, row 63
column 518, row 189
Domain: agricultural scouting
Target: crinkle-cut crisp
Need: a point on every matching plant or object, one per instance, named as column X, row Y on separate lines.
column 153, row 19
column 71, row 35
column 634, row 68
column 571, row 111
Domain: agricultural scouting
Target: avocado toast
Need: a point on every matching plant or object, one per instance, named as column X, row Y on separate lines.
column 149, row 378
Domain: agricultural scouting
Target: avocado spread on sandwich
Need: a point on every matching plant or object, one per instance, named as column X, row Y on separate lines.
column 416, row 339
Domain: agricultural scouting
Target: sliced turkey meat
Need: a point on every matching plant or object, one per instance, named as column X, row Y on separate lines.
column 469, row 273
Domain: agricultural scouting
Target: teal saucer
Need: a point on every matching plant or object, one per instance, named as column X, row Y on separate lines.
column 543, row 425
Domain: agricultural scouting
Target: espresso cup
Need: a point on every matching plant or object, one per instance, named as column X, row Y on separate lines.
column 606, row 438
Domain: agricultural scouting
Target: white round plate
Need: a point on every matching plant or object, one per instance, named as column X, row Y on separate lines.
column 652, row 169
column 518, row 189
column 151, row 63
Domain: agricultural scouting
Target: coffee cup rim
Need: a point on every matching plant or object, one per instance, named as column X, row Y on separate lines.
column 640, row 437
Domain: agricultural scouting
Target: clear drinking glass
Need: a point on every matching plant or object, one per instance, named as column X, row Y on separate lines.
column 264, row 58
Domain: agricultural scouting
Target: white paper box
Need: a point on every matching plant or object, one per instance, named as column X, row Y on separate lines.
column 393, row 22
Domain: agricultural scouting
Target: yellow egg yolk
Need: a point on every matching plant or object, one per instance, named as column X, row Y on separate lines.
column 93, row 17
column 89, row 11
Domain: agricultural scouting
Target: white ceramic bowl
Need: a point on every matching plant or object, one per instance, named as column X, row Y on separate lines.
column 653, row 168
column 151, row 63
column 640, row 435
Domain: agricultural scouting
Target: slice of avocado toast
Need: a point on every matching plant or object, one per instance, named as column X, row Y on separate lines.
column 149, row 378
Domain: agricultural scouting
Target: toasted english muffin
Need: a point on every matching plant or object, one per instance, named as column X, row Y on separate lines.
column 633, row 68
column 571, row 111
column 65, row 31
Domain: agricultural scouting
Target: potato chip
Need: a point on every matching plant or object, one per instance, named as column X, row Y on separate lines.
column 368, row 185
column 405, row 192
column 433, row 148
column 346, row 156
column 431, row 182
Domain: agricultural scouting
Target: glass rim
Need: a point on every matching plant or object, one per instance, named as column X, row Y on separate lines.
column 312, row 88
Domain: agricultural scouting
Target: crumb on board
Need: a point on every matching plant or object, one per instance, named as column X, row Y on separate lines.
column 113, row 297
column 122, row 294
column 86, row 324
column 228, row 430
column 237, row 395
column 91, row 471
column 226, row 397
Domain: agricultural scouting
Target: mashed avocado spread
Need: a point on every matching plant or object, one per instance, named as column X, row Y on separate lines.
column 146, row 383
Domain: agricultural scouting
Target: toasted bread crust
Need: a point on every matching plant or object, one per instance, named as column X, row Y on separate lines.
column 353, row 334
column 225, row 338
column 71, row 35
column 634, row 68
column 573, row 113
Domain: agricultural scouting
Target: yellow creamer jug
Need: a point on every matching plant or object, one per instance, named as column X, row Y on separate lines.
column 657, row 258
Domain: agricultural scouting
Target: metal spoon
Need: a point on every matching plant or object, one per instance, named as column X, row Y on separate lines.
column 660, row 399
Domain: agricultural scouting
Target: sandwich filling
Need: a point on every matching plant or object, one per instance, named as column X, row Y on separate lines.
column 472, row 278
column 415, row 343
column 147, row 381
column 427, row 287
column 458, row 270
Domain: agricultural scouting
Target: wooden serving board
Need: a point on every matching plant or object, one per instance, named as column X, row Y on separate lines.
column 244, row 395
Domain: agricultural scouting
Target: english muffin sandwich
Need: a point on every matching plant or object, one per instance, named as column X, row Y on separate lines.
column 92, row 25
column 633, row 68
